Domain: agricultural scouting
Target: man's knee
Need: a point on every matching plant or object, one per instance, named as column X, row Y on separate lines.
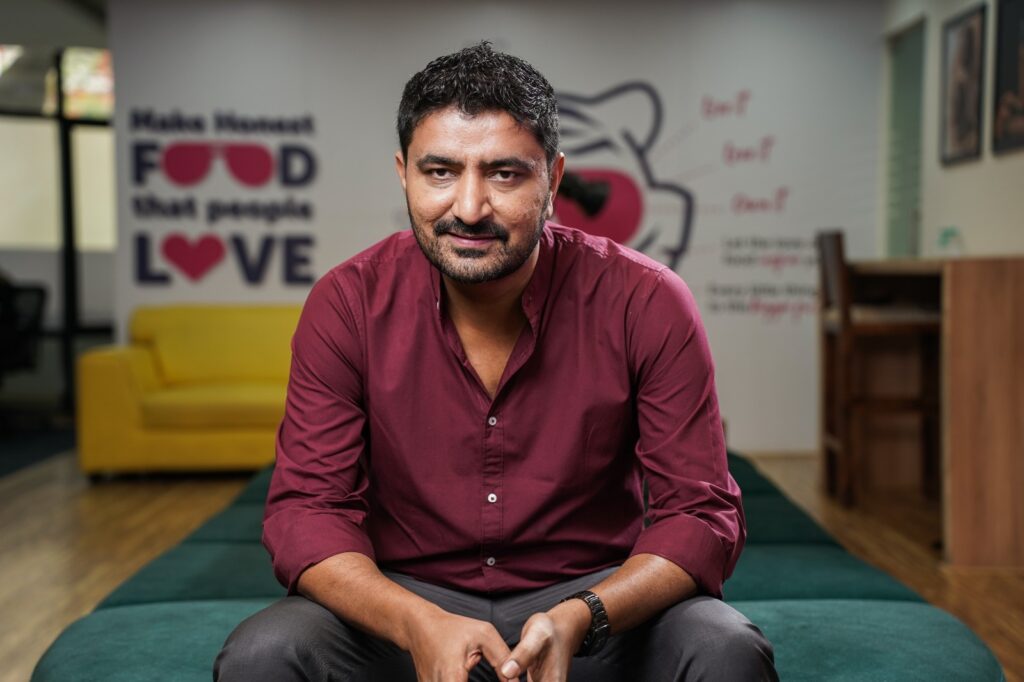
column 277, row 643
column 741, row 652
column 716, row 642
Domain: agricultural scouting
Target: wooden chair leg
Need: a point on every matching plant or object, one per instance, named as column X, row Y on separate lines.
column 828, row 416
column 831, row 475
column 847, row 459
column 931, row 447
column 854, row 460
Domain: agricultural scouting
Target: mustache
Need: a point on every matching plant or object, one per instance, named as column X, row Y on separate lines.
column 484, row 228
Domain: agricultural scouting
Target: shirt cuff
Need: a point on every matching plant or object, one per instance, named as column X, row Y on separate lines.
column 297, row 540
column 690, row 544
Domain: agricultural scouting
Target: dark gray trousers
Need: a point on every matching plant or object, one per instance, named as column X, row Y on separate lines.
column 296, row 639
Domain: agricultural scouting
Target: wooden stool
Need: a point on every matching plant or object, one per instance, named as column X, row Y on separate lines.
column 845, row 330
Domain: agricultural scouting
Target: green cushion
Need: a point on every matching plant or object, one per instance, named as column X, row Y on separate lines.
column 813, row 640
column 747, row 476
column 870, row 640
column 808, row 572
column 159, row 642
column 241, row 522
column 195, row 571
column 771, row 518
column 256, row 489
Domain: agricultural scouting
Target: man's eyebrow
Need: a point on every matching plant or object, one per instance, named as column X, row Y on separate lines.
column 435, row 160
column 510, row 162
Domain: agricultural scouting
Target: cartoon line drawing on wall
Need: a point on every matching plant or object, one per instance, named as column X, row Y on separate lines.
column 610, row 188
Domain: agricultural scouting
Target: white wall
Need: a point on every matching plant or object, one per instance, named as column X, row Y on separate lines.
column 984, row 199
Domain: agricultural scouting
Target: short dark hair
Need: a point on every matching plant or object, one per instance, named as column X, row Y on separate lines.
column 478, row 79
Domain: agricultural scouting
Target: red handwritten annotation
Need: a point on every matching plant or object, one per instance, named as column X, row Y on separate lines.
column 744, row 204
column 711, row 108
column 733, row 154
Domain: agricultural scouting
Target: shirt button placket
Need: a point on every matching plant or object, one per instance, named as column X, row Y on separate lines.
column 493, row 457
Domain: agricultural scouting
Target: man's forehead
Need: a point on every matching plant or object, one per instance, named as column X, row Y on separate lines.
column 485, row 137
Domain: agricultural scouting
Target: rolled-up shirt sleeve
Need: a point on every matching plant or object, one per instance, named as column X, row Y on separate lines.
column 695, row 515
column 317, row 505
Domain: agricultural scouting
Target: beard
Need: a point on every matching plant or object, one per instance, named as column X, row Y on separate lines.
column 472, row 266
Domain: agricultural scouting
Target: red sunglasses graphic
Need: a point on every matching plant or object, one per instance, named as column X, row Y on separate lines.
column 186, row 163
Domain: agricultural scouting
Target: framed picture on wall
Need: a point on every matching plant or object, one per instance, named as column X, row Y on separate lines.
column 1008, row 108
column 963, row 78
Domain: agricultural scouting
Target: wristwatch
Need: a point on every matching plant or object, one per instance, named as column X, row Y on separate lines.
column 599, row 630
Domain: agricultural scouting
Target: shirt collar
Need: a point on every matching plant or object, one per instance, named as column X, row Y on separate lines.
column 536, row 292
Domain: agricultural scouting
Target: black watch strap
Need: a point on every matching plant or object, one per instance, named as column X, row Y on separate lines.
column 597, row 634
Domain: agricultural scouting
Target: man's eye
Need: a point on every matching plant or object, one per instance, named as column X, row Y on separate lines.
column 506, row 175
column 439, row 173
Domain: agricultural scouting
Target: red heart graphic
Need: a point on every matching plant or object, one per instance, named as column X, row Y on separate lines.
column 195, row 260
column 619, row 217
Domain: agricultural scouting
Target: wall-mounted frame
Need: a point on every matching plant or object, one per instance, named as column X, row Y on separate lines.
column 1008, row 104
column 963, row 80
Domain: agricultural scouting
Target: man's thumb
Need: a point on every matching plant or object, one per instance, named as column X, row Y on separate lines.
column 511, row 668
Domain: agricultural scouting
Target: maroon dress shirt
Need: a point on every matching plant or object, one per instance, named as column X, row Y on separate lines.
column 390, row 446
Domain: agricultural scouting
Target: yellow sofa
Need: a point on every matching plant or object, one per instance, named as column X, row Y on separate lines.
column 198, row 387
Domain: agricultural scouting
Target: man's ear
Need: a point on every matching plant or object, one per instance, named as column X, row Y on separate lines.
column 400, row 167
column 557, row 170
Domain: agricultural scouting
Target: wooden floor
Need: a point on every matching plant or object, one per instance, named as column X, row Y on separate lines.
column 66, row 544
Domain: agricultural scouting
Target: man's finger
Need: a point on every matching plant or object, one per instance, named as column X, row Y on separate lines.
column 526, row 652
column 493, row 648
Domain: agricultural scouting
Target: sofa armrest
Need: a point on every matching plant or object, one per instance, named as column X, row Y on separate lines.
column 111, row 382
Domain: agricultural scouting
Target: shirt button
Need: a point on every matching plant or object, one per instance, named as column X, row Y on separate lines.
column 491, row 561
column 492, row 421
column 492, row 498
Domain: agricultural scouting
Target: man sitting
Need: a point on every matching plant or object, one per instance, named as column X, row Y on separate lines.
column 472, row 409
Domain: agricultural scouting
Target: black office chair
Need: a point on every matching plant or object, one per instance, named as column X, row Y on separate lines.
column 21, row 326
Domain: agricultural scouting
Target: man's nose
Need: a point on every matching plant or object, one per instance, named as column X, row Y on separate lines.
column 472, row 199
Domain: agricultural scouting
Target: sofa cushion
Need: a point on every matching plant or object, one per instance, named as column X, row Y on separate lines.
column 197, row 343
column 193, row 572
column 219, row 406
column 240, row 522
column 779, row 571
column 747, row 476
column 771, row 518
column 158, row 642
column 860, row 640
column 814, row 640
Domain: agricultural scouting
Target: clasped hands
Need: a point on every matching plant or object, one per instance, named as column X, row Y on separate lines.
column 446, row 647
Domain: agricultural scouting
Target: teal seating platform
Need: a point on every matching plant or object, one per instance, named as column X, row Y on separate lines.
column 829, row 615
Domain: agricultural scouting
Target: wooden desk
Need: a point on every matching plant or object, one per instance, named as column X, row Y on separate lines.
column 982, row 304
